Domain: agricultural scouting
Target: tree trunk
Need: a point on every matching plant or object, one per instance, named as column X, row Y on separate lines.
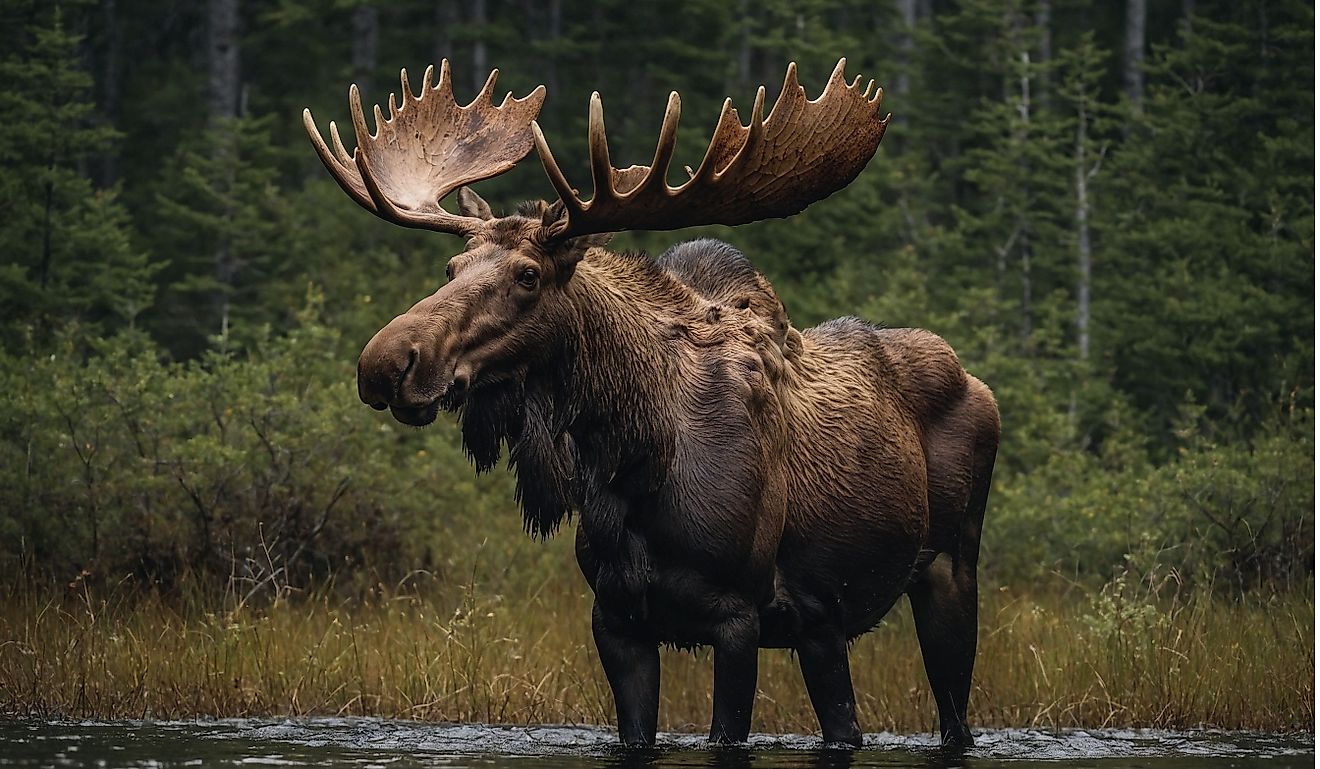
column 223, row 103
column 1044, row 51
column 223, row 71
column 907, row 12
column 1082, row 178
column 110, row 86
column 744, row 47
column 1134, row 52
column 1024, row 112
column 555, row 29
column 446, row 15
column 366, row 34
column 480, row 69
column 1027, row 312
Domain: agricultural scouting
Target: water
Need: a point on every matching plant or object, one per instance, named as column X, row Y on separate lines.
column 368, row 743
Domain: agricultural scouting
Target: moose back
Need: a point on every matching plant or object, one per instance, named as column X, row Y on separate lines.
column 739, row 483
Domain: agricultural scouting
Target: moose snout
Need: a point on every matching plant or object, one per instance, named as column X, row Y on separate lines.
column 383, row 368
column 404, row 368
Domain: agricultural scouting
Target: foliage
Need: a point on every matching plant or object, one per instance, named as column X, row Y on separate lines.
column 1235, row 515
column 171, row 406
column 256, row 469
column 454, row 652
column 68, row 255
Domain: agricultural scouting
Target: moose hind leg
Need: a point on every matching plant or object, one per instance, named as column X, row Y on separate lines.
column 823, row 657
column 736, row 644
column 944, row 607
column 632, row 666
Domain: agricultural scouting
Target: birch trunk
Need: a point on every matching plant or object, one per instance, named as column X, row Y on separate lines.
column 110, row 86
column 366, row 35
column 1134, row 52
column 1024, row 111
column 223, row 61
column 223, row 103
column 1044, row 51
column 446, row 15
column 1082, row 178
column 480, row 68
column 907, row 12
column 744, row 47
column 556, row 31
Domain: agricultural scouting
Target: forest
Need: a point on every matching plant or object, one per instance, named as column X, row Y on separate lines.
column 1107, row 209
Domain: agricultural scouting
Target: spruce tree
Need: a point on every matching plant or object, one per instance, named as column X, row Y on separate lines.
column 67, row 258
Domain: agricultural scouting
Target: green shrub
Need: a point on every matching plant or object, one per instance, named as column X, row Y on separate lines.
column 264, row 468
column 1234, row 515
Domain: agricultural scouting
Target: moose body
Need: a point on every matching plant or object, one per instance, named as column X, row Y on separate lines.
column 739, row 484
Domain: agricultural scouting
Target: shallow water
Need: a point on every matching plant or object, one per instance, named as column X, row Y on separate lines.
column 376, row 743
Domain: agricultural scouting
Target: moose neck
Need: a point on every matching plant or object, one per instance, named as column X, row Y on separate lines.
column 598, row 416
column 626, row 376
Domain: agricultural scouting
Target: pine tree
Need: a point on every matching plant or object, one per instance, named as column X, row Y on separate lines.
column 216, row 197
column 1209, row 261
column 67, row 252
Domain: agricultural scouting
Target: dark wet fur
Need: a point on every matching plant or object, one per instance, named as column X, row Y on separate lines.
column 739, row 483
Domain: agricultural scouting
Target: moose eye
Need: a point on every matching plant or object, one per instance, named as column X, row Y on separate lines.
column 528, row 278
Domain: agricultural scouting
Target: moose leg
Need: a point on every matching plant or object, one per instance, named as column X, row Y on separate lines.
column 944, row 607
column 736, row 643
column 823, row 657
column 632, row 667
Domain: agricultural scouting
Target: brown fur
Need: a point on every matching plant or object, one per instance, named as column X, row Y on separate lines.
column 739, row 484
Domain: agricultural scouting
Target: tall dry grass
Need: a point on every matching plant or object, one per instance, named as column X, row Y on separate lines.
column 1125, row 656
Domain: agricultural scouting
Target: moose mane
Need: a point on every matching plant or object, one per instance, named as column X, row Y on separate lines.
column 601, row 372
column 599, row 379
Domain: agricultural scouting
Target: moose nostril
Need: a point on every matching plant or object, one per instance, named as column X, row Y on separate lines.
column 407, row 369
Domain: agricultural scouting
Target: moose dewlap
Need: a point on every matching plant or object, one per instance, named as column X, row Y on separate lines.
column 738, row 483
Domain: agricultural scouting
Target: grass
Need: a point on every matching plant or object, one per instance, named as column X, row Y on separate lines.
column 1126, row 656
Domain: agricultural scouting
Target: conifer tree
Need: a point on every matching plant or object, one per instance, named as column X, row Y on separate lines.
column 67, row 252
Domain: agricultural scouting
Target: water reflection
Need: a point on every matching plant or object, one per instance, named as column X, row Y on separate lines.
column 402, row 745
column 745, row 757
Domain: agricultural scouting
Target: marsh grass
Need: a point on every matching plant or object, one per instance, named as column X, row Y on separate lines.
column 1129, row 655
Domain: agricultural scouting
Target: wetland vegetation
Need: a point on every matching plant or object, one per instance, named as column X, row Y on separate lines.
column 197, row 517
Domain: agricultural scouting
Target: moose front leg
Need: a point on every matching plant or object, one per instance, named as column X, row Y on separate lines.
column 736, row 642
column 632, row 667
column 823, row 657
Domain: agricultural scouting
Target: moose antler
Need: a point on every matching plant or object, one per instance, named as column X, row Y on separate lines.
column 802, row 152
column 426, row 148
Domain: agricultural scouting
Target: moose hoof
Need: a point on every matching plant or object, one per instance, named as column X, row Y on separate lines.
column 957, row 739
column 847, row 739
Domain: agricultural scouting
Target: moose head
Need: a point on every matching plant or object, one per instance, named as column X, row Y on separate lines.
column 505, row 297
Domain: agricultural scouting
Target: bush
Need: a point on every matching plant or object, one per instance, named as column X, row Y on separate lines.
column 264, row 468
column 1236, row 515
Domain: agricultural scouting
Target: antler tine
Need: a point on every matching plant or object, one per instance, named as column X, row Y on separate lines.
column 445, row 85
column 664, row 147
column 487, row 89
column 359, row 120
column 567, row 195
column 426, row 147
column 756, row 130
column 775, row 166
column 340, row 152
column 405, row 90
column 598, row 147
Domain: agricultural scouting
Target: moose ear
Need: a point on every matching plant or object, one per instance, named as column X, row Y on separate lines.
column 569, row 252
column 471, row 204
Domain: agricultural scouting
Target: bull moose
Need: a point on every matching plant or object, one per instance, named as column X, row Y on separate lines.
column 739, row 483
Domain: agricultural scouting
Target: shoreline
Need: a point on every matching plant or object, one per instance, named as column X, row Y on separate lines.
column 1049, row 660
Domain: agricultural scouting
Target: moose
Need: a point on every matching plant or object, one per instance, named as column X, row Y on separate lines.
column 738, row 483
